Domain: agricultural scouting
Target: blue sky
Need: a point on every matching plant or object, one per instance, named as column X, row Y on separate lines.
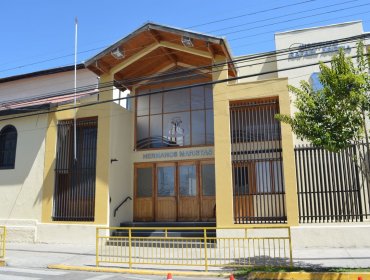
column 39, row 34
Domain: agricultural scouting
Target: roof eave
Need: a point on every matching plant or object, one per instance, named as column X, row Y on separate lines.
column 154, row 26
column 27, row 109
column 41, row 73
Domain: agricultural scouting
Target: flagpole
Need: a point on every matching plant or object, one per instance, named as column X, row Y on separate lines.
column 75, row 97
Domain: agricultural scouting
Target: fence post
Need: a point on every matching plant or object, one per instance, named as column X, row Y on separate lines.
column 4, row 241
column 97, row 247
column 205, row 250
column 290, row 248
column 129, row 249
column 357, row 174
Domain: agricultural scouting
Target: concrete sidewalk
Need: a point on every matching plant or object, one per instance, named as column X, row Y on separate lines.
column 41, row 255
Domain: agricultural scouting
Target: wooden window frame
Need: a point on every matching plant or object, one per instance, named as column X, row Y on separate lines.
column 149, row 115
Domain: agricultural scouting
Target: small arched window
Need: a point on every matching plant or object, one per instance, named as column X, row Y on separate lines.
column 8, row 146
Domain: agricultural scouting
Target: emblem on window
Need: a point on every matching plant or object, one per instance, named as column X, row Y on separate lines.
column 176, row 133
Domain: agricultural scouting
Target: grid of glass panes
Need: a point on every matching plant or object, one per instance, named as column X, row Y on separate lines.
column 176, row 118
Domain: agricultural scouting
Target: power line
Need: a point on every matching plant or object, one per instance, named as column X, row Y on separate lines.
column 300, row 25
column 172, row 89
column 277, row 17
column 206, row 23
column 170, row 74
column 69, row 55
column 294, row 19
column 251, row 14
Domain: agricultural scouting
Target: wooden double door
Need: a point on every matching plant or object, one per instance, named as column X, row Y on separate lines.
column 175, row 191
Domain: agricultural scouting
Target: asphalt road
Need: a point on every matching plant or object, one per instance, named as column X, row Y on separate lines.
column 16, row 273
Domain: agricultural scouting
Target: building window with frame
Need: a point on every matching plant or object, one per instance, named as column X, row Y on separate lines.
column 180, row 118
column 8, row 147
column 315, row 81
column 75, row 178
column 256, row 124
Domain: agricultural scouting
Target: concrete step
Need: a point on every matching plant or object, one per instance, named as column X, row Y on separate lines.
column 160, row 233
column 168, row 224
column 171, row 232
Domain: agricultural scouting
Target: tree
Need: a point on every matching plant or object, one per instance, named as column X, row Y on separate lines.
column 334, row 117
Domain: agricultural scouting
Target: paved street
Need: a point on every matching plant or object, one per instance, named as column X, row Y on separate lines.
column 14, row 273
column 29, row 261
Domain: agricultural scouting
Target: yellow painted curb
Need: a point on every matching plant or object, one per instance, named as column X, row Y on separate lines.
column 310, row 275
column 2, row 263
column 136, row 271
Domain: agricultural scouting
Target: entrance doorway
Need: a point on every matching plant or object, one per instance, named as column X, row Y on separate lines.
column 175, row 191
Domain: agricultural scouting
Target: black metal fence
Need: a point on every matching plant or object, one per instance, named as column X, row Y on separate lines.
column 74, row 194
column 331, row 186
column 258, row 181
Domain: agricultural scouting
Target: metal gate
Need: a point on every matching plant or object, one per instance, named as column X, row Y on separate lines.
column 331, row 188
column 74, row 195
column 258, row 181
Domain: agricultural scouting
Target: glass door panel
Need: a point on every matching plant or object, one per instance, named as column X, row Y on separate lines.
column 144, row 182
column 208, row 200
column 166, row 202
column 189, row 192
column 166, row 181
column 188, row 180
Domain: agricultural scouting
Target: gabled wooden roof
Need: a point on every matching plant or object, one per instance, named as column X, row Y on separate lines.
column 154, row 48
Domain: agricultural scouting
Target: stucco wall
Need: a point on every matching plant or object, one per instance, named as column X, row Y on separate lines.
column 21, row 199
column 21, row 187
column 46, row 84
column 251, row 66
column 121, row 171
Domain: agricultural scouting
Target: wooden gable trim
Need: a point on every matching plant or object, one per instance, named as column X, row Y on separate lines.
column 134, row 58
column 185, row 49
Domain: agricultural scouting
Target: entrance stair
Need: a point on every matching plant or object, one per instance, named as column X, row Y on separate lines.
column 171, row 232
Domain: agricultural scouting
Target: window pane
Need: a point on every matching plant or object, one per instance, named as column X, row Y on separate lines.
column 198, row 129
column 209, row 97
column 155, row 139
column 315, row 81
column 176, row 128
column 197, row 98
column 241, row 180
column 8, row 145
column 278, row 176
column 166, row 181
column 210, row 137
column 255, row 124
column 188, row 180
column 144, row 182
column 142, row 104
column 142, row 131
column 175, row 101
column 208, row 179
column 156, row 103
column 263, row 177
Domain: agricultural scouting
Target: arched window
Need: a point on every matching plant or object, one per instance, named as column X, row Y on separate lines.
column 8, row 146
